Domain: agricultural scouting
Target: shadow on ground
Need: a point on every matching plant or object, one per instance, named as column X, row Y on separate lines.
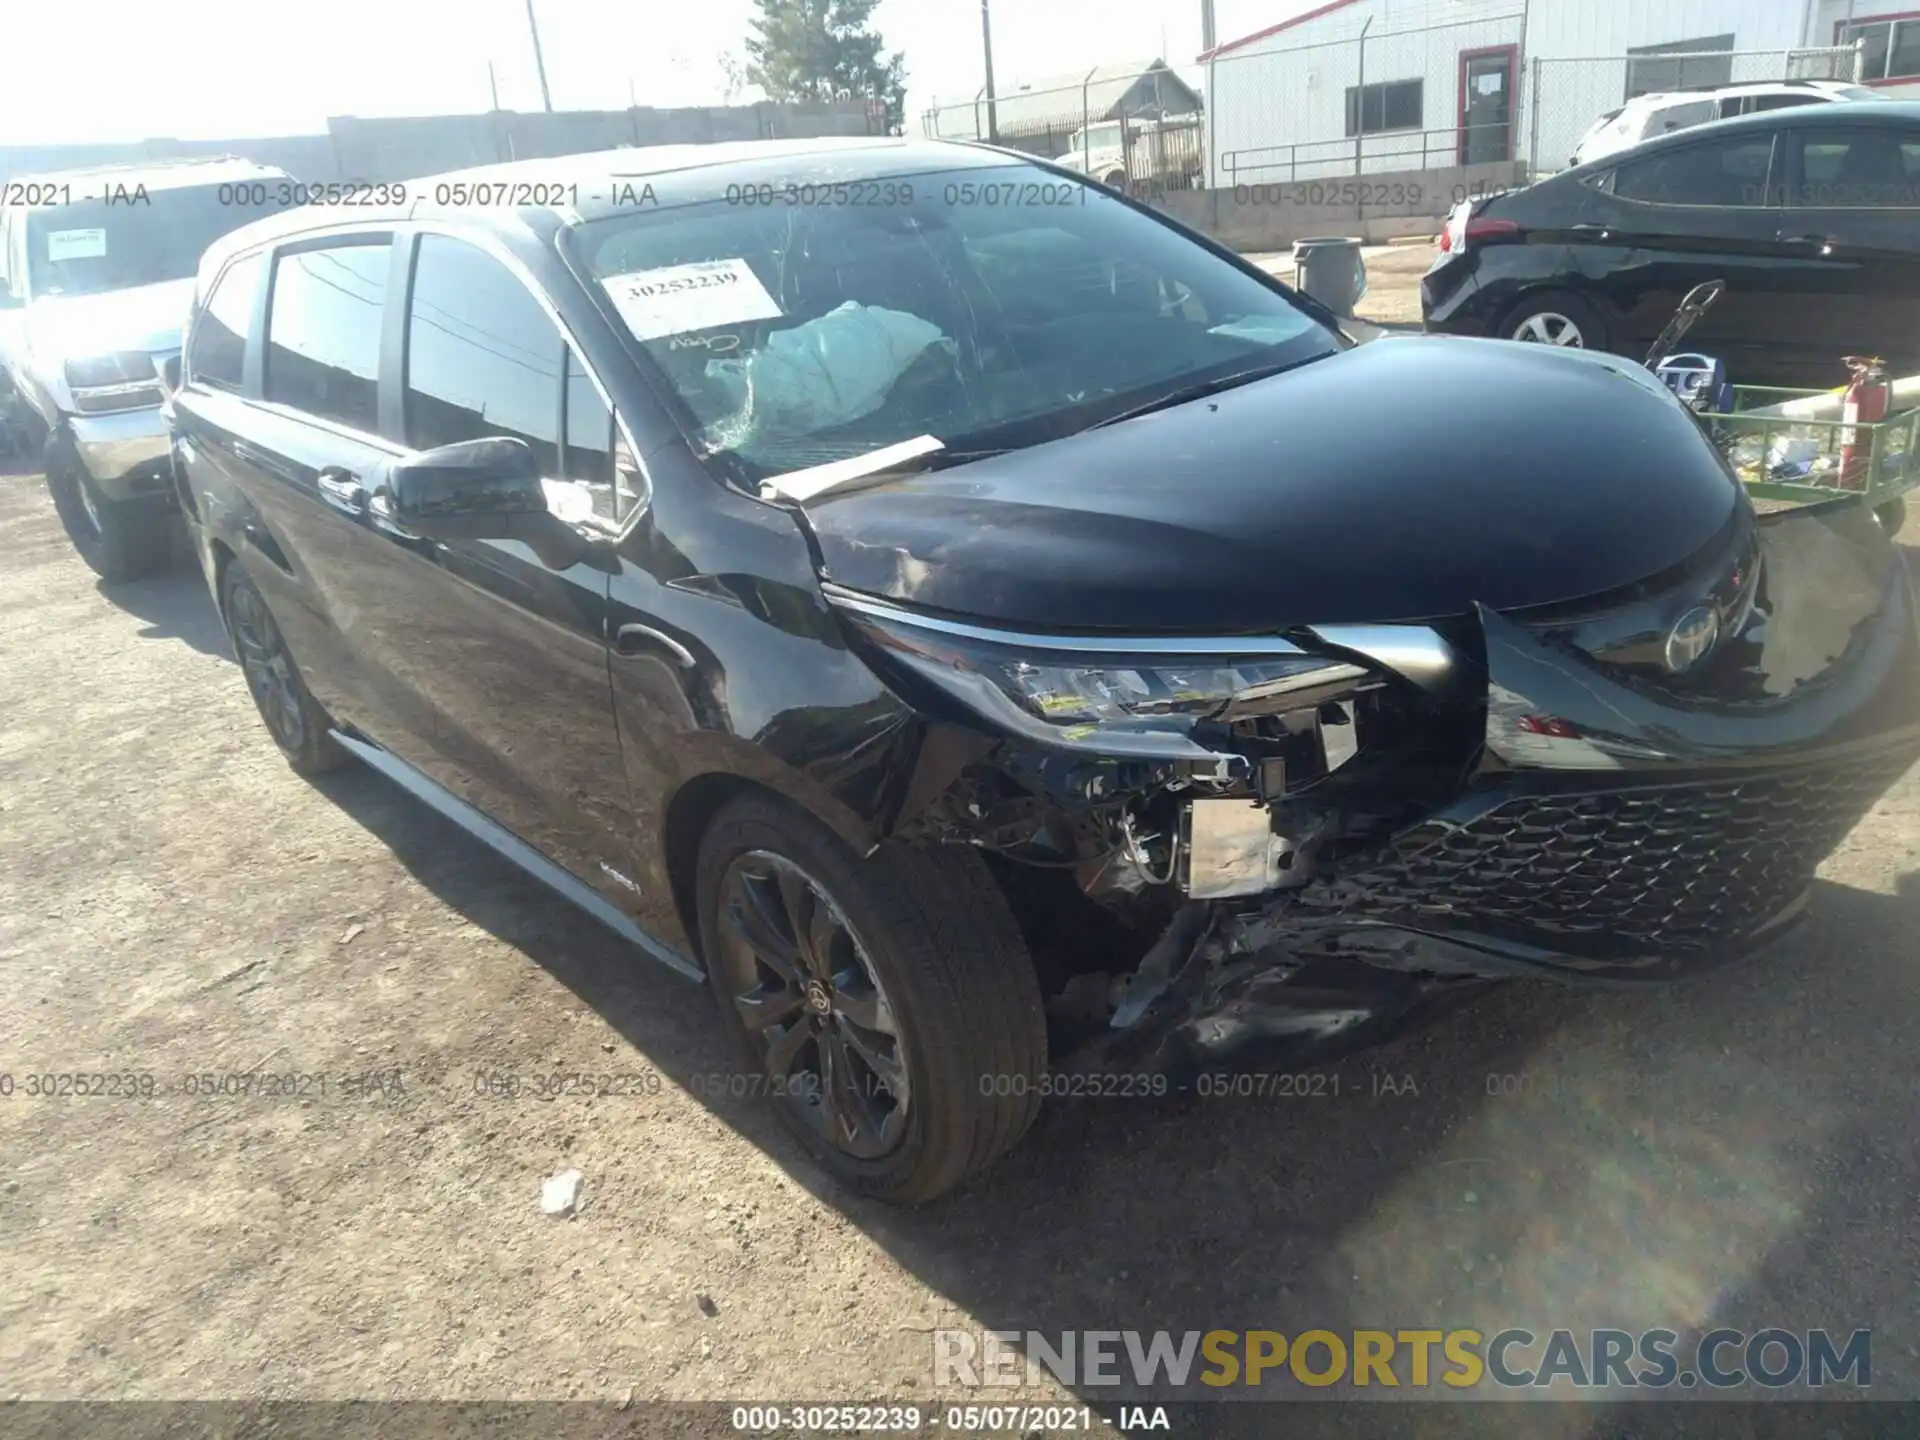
column 175, row 605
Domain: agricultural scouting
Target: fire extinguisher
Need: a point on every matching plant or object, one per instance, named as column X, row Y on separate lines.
column 1867, row 401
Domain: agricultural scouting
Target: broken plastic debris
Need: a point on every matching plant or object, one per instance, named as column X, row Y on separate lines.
column 560, row 1193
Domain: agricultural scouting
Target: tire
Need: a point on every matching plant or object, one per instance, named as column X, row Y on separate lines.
column 1541, row 317
column 292, row 716
column 920, row 941
column 119, row 539
column 1892, row 515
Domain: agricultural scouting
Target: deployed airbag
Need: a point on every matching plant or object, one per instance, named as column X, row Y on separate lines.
column 825, row 373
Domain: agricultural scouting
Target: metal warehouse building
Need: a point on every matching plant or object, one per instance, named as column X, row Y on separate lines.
column 1375, row 86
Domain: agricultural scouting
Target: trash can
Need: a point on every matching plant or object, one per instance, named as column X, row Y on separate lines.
column 1332, row 271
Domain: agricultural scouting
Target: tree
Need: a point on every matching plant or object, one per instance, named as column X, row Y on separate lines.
column 824, row 50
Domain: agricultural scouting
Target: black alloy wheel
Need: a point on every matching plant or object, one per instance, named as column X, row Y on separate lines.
column 297, row 723
column 804, row 988
column 883, row 1000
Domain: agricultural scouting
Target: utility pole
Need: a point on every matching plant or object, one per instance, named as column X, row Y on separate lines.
column 539, row 62
column 986, row 44
column 1207, row 38
column 493, row 85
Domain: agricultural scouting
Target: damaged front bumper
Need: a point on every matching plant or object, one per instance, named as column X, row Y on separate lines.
column 1621, row 791
column 1617, row 827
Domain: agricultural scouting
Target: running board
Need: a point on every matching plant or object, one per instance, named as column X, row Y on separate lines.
column 504, row 842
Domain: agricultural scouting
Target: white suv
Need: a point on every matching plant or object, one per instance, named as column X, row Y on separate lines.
column 1646, row 116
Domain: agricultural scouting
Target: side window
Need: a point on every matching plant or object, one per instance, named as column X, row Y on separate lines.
column 1781, row 102
column 219, row 350
column 483, row 358
column 1731, row 173
column 323, row 331
column 1669, row 118
column 591, row 446
column 1857, row 170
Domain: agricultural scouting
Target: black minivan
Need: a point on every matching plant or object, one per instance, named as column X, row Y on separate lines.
column 1811, row 217
column 1004, row 642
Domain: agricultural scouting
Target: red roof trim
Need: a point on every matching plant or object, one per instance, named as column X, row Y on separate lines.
column 1327, row 9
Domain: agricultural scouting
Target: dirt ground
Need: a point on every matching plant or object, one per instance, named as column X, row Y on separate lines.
column 1393, row 279
column 175, row 903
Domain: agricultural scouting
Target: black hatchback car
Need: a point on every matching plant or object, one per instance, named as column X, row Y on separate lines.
column 996, row 630
column 1811, row 216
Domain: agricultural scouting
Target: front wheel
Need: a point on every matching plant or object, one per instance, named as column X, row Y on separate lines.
column 887, row 1004
column 119, row 539
column 1892, row 515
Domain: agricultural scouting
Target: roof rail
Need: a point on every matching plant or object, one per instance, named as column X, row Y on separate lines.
column 1734, row 85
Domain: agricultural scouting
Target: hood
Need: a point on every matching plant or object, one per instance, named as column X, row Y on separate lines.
column 146, row 317
column 1406, row 479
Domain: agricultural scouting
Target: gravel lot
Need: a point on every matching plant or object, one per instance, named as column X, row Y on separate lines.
column 175, row 902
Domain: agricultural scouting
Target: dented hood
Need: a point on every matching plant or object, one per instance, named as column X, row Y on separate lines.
column 1404, row 479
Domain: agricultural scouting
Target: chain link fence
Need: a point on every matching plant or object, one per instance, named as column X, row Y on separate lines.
column 1138, row 126
column 1441, row 96
column 1568, row 97
column 1420, row 98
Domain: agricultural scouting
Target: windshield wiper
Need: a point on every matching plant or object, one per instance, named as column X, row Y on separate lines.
column 1204, row 388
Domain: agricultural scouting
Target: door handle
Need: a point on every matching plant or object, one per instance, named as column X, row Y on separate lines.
column 342, row 490
column 1587, row 227
column 1824, row 242
column 645, row 640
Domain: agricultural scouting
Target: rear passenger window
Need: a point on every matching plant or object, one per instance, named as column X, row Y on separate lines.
column 323, row 332
column 1858, row 170
column 219, row 352
column 1733, row 172
column 483, row 357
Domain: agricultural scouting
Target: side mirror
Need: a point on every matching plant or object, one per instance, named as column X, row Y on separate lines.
column 170, row 373
column 486, row 489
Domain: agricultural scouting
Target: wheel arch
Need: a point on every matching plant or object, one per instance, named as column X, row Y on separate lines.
column 700, row 797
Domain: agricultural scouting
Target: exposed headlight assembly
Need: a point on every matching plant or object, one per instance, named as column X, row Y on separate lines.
column 1115, row 696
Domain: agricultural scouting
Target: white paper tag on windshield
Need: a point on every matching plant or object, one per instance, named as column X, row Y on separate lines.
column 76, row 244
column 678, row 298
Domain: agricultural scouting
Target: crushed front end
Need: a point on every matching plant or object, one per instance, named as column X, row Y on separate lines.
column 1261, row 850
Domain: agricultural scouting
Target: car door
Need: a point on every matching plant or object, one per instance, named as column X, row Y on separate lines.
column 514, row 664
column 1688, row 213
column 1850, row 246
column 308, row 456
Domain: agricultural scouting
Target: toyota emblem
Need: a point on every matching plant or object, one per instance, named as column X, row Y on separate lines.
column 1692, row 636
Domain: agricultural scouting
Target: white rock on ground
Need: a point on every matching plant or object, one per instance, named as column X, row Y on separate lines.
column 559, row 1193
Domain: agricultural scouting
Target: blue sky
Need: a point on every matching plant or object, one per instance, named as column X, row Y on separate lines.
column 196, row 69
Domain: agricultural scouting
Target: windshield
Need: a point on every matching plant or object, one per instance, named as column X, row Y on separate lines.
column 142, row 238
column 990, row 308
column 1100, row 137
